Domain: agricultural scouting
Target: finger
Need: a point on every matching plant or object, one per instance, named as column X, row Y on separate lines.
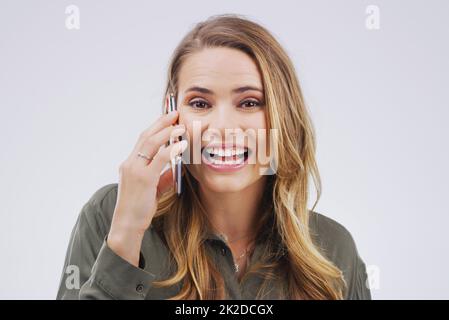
column 152, row 144
column 165, row 181
column 165, row 155
column 162, row 122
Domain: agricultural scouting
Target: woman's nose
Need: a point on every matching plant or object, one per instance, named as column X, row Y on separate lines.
column 223, row 117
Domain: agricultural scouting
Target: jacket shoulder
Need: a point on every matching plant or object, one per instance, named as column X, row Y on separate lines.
column 99, row 209
column 338, row 245
column 105, row 196
column 334, row 239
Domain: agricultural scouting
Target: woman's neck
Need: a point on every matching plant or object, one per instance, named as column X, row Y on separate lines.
column 235, row 213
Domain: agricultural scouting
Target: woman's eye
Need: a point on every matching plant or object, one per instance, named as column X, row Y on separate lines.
column 198, row 104
column 201, row 104
column 248, row 104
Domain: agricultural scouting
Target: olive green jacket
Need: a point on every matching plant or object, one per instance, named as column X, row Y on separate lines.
column 93, row 271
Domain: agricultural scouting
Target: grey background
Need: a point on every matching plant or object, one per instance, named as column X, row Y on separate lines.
column 73, row 102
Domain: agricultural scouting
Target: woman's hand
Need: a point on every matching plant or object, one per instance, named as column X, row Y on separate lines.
column 141, row 184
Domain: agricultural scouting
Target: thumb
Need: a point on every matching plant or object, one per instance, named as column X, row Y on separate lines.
column 165, row 181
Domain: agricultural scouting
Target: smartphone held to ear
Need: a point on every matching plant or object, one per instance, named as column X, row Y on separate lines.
column 170, row 105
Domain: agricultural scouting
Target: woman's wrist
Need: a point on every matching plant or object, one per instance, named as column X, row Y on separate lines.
column 126, row 242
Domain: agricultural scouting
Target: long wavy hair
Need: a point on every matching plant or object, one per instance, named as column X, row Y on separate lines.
column 290, row 252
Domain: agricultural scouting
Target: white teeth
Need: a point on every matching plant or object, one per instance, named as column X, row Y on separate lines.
column 227, row 162
column 228, row 152
column 226, row 156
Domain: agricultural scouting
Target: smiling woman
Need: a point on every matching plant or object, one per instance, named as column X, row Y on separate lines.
column 239, row 230
column 221, row 89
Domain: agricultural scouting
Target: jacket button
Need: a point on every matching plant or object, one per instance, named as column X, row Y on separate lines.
column 139, row 287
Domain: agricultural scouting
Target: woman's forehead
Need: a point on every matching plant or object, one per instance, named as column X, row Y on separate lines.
column 219, row 67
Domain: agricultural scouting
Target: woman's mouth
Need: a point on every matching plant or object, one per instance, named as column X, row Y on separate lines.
column 225, row 159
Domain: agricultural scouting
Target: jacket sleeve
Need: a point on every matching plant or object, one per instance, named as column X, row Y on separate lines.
column 92, row 270
column 361, row 289
column 338, row 245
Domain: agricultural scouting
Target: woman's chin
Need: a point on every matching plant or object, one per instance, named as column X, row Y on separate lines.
column 225, row 183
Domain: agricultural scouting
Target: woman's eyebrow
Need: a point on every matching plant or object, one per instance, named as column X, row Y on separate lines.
column 246, row 88
column 236, row 90
column 199, row 89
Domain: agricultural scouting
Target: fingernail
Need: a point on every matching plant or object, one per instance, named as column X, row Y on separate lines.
column 183, row 145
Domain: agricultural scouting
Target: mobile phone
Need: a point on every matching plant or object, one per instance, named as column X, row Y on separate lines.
column 176, row 162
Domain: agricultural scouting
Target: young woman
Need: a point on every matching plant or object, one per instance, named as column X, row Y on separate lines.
column 240, row 229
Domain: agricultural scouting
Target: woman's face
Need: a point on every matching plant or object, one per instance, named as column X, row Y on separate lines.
column 221, row 103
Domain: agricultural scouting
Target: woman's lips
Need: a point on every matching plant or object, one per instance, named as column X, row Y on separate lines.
column 231, row 166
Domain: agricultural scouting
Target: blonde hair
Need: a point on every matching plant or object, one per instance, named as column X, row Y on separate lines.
column 290, row 251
